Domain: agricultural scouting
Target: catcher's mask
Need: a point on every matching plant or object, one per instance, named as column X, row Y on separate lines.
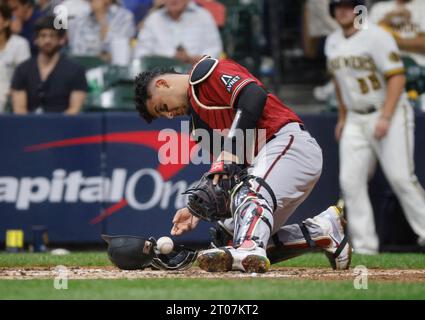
column 130, row 252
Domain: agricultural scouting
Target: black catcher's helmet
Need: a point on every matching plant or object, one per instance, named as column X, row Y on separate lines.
column 130, row 252
column 138, row 253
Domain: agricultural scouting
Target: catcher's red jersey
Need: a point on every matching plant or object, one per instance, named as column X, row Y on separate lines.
column 214, row 90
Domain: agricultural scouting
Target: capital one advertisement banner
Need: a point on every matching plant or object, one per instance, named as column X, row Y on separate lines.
column 100, row 173
column 90, row 174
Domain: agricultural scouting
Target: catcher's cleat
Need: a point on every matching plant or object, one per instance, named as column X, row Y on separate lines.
column 256, row 263
column 216, row 260
column 340, row 251
column 223, row 259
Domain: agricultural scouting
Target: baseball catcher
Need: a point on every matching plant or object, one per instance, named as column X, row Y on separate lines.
column 252, row 198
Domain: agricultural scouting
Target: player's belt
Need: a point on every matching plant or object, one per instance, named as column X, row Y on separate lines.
column 302, row 127
column 368, row 110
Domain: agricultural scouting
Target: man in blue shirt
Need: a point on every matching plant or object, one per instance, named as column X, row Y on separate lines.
column 25, row 14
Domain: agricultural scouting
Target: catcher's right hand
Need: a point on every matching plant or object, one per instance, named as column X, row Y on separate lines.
column 183, row 221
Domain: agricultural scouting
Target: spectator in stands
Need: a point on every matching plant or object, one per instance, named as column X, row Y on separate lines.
column 405, row 20
column 217, row 10
column 318, row 24
column 46, row 6
column 13, row 51
column 156, row 4
column 139, row 8
column 94, row 34
column 180, row 30
column 76, row 8
column 49, row 82
column 25, row 14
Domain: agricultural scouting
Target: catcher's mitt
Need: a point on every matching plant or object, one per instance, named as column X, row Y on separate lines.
column 211, row 202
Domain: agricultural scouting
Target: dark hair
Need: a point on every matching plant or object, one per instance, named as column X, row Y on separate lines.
column 48, row 22
column 6, row 13
column 141, row 94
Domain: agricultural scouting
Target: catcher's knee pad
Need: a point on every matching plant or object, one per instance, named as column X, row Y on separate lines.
column 252, row 214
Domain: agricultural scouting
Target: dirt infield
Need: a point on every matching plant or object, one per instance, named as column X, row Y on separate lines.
column 27, row 273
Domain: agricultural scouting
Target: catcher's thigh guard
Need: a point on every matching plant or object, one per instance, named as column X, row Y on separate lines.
column 253, row 216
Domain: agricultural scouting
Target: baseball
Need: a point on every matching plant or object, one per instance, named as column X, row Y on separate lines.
column 165, row 245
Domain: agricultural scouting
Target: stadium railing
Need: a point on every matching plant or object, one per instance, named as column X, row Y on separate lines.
column 111, row 86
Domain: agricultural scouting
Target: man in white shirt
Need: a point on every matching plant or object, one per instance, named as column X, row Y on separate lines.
column 94, row 34
column 180, row 30
column 405, row 20
column 13, row 51
column 76, row 8
column 375, row 123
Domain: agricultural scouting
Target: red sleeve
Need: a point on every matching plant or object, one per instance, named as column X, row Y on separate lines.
column 225, row 83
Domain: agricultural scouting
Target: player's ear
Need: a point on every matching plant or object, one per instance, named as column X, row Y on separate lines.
column 161, row 83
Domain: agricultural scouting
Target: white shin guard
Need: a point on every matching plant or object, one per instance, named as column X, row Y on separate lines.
column 253, row 221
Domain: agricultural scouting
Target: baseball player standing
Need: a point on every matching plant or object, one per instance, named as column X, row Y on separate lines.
column 404, row 19
column 224, row 95
column 375, row 123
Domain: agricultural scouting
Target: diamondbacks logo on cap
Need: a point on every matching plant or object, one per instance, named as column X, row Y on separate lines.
column 229, row 81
